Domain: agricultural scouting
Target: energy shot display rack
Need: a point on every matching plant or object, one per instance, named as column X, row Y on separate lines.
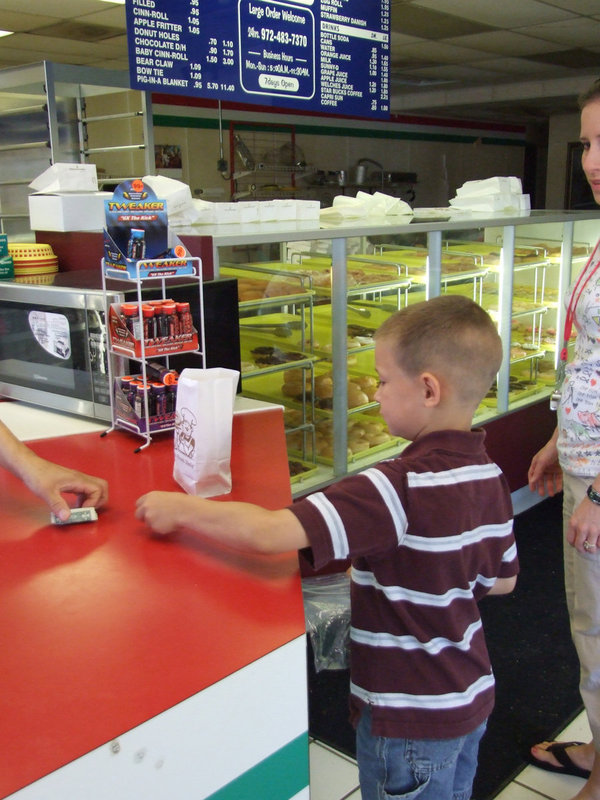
column 130, row 339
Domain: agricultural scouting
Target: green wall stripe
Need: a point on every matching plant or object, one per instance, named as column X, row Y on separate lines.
column 168, row 121
column 279, row 777
column 172, row 121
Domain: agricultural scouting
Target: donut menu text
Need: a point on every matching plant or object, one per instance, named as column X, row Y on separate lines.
column 320, row 55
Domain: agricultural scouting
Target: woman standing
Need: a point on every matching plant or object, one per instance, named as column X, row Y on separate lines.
column 571, row 461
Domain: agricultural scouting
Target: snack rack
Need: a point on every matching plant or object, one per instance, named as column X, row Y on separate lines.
column 120, row 343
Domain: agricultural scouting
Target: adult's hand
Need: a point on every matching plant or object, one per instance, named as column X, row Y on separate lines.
column 51, row 481
column 545, row 475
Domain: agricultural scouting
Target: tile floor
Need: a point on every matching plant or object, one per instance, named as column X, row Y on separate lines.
column 334, row 776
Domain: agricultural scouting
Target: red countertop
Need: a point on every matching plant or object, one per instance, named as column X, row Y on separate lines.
column 104, row 626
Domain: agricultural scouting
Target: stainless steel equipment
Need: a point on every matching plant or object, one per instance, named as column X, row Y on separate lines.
column 53, row 338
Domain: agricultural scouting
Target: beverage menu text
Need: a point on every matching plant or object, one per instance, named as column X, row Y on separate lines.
column 320, row 55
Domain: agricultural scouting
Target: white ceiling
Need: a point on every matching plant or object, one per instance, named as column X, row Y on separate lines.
column 509, row 60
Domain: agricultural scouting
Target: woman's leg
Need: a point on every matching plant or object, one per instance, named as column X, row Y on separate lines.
column 582, row 588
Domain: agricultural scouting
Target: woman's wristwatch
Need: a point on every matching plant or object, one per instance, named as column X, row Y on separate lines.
column 593, row 495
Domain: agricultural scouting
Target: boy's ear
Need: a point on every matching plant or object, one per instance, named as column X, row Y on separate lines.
column 431, row 389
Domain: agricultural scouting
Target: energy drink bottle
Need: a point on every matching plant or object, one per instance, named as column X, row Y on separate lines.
column 131, row 313
column 132, row 393
column 143, row 391
column 149, row 322
column 171, row 398
column 136, row 246
column 186, row 326
column 170, row 309
column 161, row 374
column 162, row 322
column 159, row 393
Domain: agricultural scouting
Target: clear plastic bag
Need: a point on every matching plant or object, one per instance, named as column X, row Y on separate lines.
column 327, row 615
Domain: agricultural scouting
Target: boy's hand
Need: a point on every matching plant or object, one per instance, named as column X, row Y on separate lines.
column 160, row 510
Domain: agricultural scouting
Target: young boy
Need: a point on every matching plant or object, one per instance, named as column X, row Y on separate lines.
column 429, row 533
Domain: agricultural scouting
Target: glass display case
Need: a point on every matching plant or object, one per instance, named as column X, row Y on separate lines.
column 342, row 281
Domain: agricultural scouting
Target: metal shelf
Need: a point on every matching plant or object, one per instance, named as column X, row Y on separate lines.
column 43, row 123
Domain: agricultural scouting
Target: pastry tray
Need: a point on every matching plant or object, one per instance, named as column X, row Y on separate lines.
column 268, row 385
column 363, row 275
column 414, row 263
column 308, row 469
column 274, row 353
column 272, row 287
column 359, row 422
column 363, row 317
column 489, row 254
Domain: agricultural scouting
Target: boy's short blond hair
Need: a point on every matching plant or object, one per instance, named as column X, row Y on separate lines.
column 450, row 336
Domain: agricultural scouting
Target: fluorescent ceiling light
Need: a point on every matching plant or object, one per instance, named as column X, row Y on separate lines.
column 6, row 33
column 118, row 2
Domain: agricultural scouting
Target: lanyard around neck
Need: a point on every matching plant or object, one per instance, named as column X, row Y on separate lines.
column 580, row 285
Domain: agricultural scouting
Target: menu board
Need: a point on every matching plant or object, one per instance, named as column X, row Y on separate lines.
column 316, row 55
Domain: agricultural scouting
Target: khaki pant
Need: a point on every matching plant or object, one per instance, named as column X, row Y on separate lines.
column 582, row 585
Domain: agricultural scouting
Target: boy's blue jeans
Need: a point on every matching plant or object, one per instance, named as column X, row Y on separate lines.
column 427, row 769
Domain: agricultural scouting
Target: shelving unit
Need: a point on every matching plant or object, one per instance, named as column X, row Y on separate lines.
column 141, row 421
column 265, row 162
column 44, row 119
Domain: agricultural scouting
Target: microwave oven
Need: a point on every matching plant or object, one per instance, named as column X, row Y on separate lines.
column 53, row 343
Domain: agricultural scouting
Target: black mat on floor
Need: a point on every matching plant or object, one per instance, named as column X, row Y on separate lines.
column 532, row 654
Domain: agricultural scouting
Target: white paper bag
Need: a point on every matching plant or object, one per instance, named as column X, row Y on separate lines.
column 203, row 422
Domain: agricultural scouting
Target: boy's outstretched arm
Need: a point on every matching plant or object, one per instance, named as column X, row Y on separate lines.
column 241, row 525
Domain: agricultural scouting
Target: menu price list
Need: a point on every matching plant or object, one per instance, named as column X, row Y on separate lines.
column 319, row 55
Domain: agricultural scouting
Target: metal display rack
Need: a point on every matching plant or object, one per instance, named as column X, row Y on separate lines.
column 143, row 426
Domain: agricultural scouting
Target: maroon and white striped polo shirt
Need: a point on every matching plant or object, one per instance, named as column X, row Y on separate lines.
column 428, row 534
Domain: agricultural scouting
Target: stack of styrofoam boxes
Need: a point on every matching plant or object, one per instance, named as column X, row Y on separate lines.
column 257, row 211
column 66, row 198
column 491, row 194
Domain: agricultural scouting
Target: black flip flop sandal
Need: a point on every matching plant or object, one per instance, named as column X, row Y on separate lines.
column 559, row 751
